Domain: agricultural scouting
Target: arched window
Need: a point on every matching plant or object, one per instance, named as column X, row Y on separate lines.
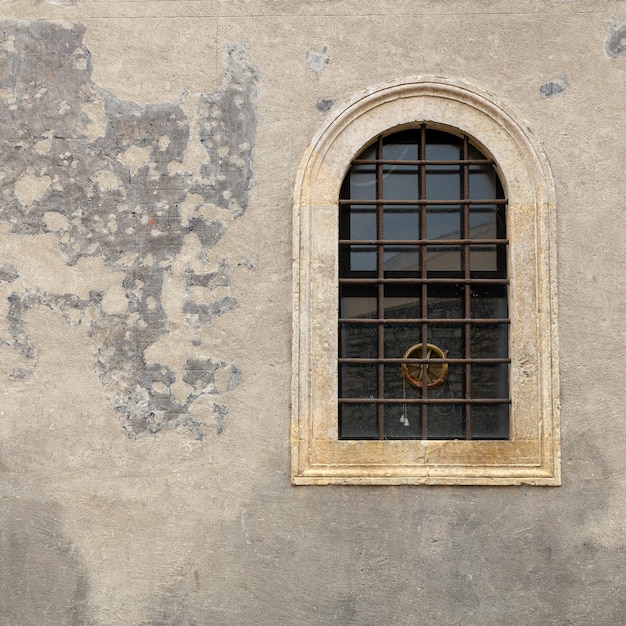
column 423, row 307
column 424, row 343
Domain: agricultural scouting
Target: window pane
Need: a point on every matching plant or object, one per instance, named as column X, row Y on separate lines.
column 362, row 222
column 443, row 222
column 359, row 341
column 401, row 222
column 401, row 151
column 363, row 182
column 394, row 383
column 490, row 421
column 399, row 338
column 483, row 258
column 482, row 222
column 357, row 307
column 403, row 421
column 449, row 338
column 490, row 381
column 358, row 421
column 443, row 182
column 400, row 182
column 484, row 305
column 445, row 308
column 363, row 258
column 358, row 381
column 408, row 306
column 482, row 180
column 489, row 341
column 444, row 258
column 402, row 259
column 446, row 421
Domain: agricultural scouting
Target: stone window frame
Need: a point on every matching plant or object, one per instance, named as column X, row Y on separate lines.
column 532, row 453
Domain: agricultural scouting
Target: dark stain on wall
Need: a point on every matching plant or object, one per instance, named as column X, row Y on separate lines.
column 43, row 578
column 324, row 105
column 615, row 42
column 8, row 273
column 554, row 87
column 112, row 173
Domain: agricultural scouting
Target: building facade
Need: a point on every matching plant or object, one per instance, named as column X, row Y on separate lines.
column 172, row 451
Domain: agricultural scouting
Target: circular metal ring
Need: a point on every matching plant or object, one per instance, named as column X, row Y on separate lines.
column 436, row 373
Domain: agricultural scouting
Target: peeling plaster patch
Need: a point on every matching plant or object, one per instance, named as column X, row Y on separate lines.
column 55, row 221
column 114, row 301
column 228, row 135
column 615, row 42
column 134, row 158
column 30, row 188
column 324, row 105
column 94, row 119
column 201, row 315
column 8, row 273
column 126, row 185
column 43, row 146
column 221, row 413
column 209, row 232
column 220, row 278
column 106, row 180
column 200, row 374
column 554, row 87
column 317, row 61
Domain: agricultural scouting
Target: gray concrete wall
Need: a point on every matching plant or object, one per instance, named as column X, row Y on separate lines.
column 148, row 152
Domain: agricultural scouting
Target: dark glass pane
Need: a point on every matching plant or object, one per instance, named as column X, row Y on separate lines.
column 482, row 180
column 449, row 338
column 443, row 147
column 358, row 381
column 403, row 421
column 490, row 421
column 359, row 341
column 483, row 258
column 490, row 381
column 483, row 221
column 445, row 307
column 399, row 338
column 357, row 307
column 363, row 182
column 403, row 307
column 446, row 421
column 444, row 258
column 362, row 222
column 489, row 341
column 484, row 306
column 454, row 385
column 401, row 222
column 363, row 258
column 358, row 421
column 402, row 258
column 443, row 182
column 443, row 222
column 401, row 151
column 394, row 382
column 400, row 182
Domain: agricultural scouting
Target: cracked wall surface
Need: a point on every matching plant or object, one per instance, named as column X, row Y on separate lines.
column 150, row 190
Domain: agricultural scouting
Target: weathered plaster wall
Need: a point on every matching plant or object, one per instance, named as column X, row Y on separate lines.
column 148, row 152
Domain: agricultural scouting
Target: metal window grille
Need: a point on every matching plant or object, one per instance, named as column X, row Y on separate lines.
column 423, row 289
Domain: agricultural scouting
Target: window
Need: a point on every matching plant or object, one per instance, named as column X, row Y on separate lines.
column 424, row 223
column 423, row 328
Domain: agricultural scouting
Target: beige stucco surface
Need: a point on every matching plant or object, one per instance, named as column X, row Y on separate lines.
column 111, row 516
